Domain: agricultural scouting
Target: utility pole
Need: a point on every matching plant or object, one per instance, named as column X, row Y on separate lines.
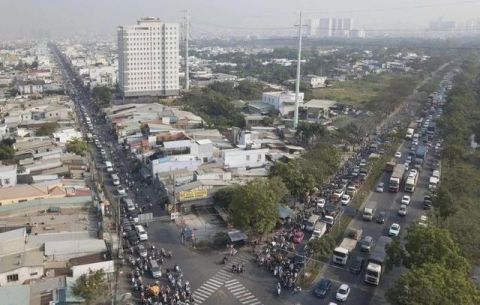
column 297, row 83
column 187, row 34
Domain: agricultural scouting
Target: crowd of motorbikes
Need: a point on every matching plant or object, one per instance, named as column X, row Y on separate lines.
column 168, row 288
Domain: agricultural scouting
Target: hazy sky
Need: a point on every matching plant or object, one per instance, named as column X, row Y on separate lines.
column 66, row 17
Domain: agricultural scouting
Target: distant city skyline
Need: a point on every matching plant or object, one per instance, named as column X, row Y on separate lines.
column 60, row 18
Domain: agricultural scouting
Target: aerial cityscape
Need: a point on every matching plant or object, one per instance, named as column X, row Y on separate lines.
column 239, row 153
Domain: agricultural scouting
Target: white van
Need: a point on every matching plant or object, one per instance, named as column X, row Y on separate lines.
column 310, row 223
column 142, row 234
column 130, row 204
column 115, row 179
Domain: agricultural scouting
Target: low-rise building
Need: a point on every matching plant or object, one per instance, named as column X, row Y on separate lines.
column 18, row 268
column 239, row 158
column 315, row 81
column 283, row 101
column 8, row 175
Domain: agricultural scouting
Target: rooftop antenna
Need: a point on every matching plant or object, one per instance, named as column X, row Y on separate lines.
column 297, row 83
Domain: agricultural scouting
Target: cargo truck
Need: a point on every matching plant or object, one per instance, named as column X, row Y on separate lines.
column 376, row 261
column 390, row 165
column 410, row 130
column 420, row 154
column 396, row 178
column 342, row 252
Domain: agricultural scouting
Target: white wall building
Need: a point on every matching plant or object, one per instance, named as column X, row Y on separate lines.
column 8, row 175
column 148, row 58
column 238, row 158
column 63, row 136
column 174, row 163
column 281, row 100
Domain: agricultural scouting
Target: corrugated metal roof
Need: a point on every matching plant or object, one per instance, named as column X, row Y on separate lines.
column 15, row 294
column 176, row 144
column 13, row 234
column 74, row 246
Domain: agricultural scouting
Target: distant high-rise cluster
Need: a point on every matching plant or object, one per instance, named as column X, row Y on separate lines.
column 442, row 25
column 148, row 58
column 333, row 27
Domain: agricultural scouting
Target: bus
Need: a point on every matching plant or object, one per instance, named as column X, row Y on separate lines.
column 109, row 166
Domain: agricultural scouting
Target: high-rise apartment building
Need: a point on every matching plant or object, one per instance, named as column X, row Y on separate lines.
column 330, row 27
column 148, row 58
column 325, row 27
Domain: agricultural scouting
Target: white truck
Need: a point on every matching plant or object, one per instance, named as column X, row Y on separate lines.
column 411, row 181
column 319, row 230
column 369, row 211
column 410, row 130
column 432, row 183
column 342, row 252
column 376, row 261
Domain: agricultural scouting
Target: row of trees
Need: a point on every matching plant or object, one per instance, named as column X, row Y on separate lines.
column 437, row 272
column 438, row 257
column 102, row 96
column 302, row 175
column 215, row 102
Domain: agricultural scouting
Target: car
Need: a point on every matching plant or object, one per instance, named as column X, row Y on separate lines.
column 409, row 159
column 398, row 154
column 120, row 190
column 132, row 237
column 366, row 244
column 406, row 200
column 380, row 218
column 345, row 199
column 142, row 251
column 423, row 221
column 298, row 236
column 413, row 172
column 394, row 230
column 357, row 265
column 380, row 187
column 322, row 288
column 427, row 202
column 320, row 202
column 402, row 211
column 342, row 293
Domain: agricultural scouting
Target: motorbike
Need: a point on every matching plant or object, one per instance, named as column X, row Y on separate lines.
column 279, row 289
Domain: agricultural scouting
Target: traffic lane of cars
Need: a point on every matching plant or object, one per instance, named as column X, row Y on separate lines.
column 360, row 294
column 389, row 203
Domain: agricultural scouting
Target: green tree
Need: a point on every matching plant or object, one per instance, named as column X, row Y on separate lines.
column 322, row 247
column 77, row 146
column 6, row 152
column 223, row 197
column 433, row 284
column 46, row 129
column 443, row 203
column 254, row 206
column 102, row 96
column 91, row 286
column 395, row 254
column 308, row 132
column 297, row 182
column 432, row 245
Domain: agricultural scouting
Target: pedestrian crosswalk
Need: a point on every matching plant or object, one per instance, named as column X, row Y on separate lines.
column 223, row 278
column 210, row 286
column 242, row 294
